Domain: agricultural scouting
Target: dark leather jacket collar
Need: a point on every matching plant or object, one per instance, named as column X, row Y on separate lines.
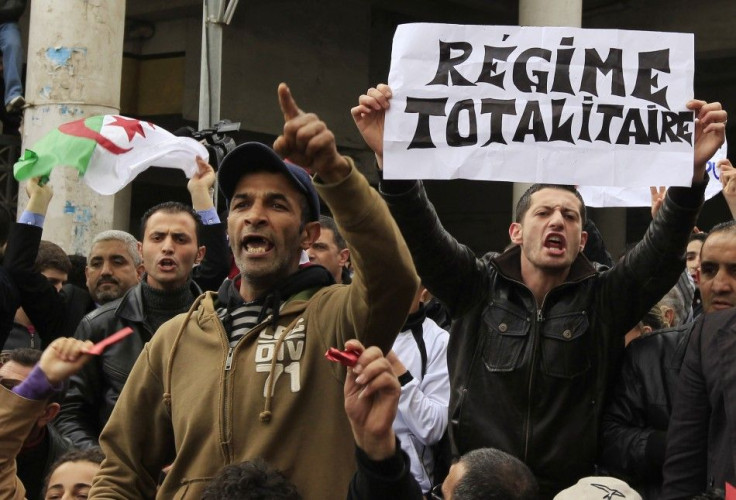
column 508, row 265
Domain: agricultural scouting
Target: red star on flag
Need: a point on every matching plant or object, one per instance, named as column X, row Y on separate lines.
column 131, row 126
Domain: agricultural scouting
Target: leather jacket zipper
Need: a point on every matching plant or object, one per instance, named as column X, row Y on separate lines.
column 528, row 423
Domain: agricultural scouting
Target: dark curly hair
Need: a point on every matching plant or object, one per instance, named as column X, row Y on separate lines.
column 93, row 455
column 251, row 480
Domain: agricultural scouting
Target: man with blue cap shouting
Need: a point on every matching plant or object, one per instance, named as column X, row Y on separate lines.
column 243, row 374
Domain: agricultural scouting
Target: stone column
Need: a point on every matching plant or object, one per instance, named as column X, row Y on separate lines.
column 610, row 221
column 75, row 57
column 545, row 13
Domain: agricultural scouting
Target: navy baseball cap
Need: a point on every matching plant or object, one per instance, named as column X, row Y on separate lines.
column 257, row 157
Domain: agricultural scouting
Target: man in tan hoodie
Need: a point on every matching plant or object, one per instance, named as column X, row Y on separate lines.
column 242, row 375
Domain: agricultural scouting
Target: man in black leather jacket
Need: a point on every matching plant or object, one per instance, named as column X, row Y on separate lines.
column 538, row 329
column 636, row 420
column 174, row 240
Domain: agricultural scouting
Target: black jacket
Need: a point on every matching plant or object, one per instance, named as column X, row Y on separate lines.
column 34, row 465
column 531, row 381
column 386, row 479
column 9, row 303
column 636, row 419
column 11, row 10
column 93, row 391
column 701, row 439
column 44, row 306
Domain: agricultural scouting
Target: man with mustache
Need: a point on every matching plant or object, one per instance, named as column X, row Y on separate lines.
column 636, row 420
column 538, row 329
column 700, row 438
column 114, row 265
column 173, row 241
column 244, row 374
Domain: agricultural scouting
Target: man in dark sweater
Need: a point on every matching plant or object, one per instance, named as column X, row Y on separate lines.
column 174, row 240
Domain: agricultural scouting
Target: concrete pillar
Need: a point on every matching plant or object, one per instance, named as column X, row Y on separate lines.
column 610, row 221
column 546, row 13
column 75, row 57
column 210, row 80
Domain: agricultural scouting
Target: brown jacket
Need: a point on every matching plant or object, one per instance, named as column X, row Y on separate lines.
column 185, row 403
column 17, row 417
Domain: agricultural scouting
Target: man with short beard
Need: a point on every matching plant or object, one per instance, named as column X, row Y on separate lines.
column 243, row 374
column 114, row 265
column 174, row 240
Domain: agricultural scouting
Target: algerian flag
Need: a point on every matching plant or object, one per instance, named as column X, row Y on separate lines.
column 109, row 151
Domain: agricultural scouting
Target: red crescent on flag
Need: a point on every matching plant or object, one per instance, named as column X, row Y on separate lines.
column 79, row 129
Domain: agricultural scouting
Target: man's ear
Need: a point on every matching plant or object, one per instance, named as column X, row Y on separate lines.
column 515, row 233
column 583, row 240
column 49, row 413
column 200, row 254
column 669, row 314
column 696, row 278
column 343, row 256
column 310, row 234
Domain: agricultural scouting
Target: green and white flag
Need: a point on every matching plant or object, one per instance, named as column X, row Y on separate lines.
column 109, row 151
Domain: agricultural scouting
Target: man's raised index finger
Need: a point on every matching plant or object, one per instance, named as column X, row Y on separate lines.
column 287, row 103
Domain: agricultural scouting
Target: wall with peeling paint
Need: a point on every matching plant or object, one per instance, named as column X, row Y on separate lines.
column 74, row 71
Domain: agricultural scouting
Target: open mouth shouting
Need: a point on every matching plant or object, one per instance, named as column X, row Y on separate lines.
column 167, row 264
column 555, row 243
column 255, row 245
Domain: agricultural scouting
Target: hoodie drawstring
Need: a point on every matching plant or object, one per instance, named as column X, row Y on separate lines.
column 170, row 362
column 265, row 415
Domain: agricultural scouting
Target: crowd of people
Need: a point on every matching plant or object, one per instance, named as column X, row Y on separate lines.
column 547, row 370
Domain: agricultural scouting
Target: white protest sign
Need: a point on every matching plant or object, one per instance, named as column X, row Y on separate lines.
column 527, row 104
column 596, row 196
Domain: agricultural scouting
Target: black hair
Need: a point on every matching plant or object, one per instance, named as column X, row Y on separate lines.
column 51, row 256
column 492, row 474
column 329, row 223
column 29, row 357
column 701, row 236
column 24, row 356
column 251, row 480
column 93, row 455
column 173, row 207
column 723, row 227
column 76, row 274
column 526, row 199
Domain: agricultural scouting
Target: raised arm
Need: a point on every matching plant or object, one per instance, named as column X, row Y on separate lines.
column 385, row 282
column 44, row 306
column 655, row 264
column 371, row 400
column 214, row 268
column 21, row 407
column 728, row 181
column 448, row 269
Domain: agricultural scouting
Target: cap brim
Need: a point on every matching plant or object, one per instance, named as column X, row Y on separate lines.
column 249, row 156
